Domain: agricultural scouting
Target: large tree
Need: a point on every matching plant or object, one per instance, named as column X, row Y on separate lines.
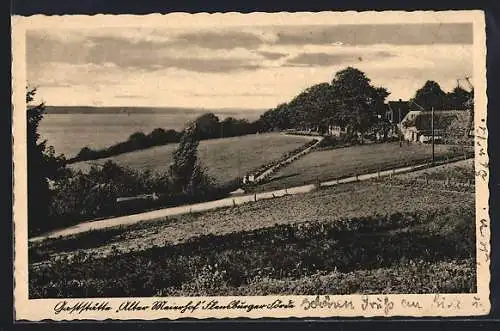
column 350, row 100
column 314, row 107
column 357, row 100
column 431, row 95
column 43, row 166
column 459, row 98
column 278, row 118
column 208, row 126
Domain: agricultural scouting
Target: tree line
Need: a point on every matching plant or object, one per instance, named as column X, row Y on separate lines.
column 351, row 101
column 432, row 96
column 207, row 126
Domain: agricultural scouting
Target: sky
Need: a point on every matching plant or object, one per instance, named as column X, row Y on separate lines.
column 254, row 67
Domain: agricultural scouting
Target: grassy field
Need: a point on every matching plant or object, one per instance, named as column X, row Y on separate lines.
column 224, row 158
column 356, row 238
column 432, row 243
column 325, row 205
column 462, row 172
column 456, row 177
column 349, row 161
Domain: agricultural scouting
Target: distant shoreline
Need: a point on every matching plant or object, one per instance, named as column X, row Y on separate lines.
column 144, row 110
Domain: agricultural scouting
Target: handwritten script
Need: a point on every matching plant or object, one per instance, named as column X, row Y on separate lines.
column 482, row 172
column 383, row 305
column 164, row 305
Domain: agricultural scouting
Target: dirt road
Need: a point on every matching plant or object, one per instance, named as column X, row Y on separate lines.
column 210, row 205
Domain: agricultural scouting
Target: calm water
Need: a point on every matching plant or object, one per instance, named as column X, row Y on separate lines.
column 68, row 133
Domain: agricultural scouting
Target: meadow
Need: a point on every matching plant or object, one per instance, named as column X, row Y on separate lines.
column 354, row 160
column 459, row 172
column 225, row 159
column 390, row 238
column 234, row 263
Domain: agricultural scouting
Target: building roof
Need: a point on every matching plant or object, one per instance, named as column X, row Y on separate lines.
column 405, row 106
column 395, row 105
column 422, row 120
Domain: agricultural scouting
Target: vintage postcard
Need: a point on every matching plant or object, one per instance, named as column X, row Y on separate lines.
column 227, row 165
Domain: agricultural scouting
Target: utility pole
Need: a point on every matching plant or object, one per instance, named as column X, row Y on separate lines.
column 432, row 129
column 400, row 131
column 239, row 164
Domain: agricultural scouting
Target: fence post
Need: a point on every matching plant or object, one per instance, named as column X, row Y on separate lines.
column 234, row 203
column 378, row 173
column 286, row 191
column 255, row 197
column 357, row 178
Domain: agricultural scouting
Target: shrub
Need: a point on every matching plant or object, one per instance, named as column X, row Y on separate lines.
column 81, row 196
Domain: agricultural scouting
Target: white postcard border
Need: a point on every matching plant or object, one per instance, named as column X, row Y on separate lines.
column 303, row 306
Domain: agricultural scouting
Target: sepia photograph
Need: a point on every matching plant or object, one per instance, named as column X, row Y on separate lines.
column 310, row 161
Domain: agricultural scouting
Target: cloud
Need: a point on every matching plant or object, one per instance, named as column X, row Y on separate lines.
column 254, row 66
column 230, row 95
column 272, row 55
column 370, row 34
column 208, row 65
column 217, row 40
column 128, row 96
column 319, row 59
column 223, row 50
column 116, row 51
column 329, row 59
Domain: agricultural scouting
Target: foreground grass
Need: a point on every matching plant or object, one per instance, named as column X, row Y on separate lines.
column 460, row 172
column 349, row 161
column 233, row 262
column 225, row 159
column 417, row 277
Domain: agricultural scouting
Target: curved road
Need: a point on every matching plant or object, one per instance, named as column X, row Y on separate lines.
column 210, row 205
column 292, row 158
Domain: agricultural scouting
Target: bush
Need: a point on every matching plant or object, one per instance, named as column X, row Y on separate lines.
column 82, row 196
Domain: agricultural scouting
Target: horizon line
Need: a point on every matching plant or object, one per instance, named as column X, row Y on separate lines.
column 155, row 107
column 188, row 107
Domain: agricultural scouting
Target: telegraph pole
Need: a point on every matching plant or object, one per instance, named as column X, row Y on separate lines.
column 432, row 129
column 239, row 165
column 400, row 131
